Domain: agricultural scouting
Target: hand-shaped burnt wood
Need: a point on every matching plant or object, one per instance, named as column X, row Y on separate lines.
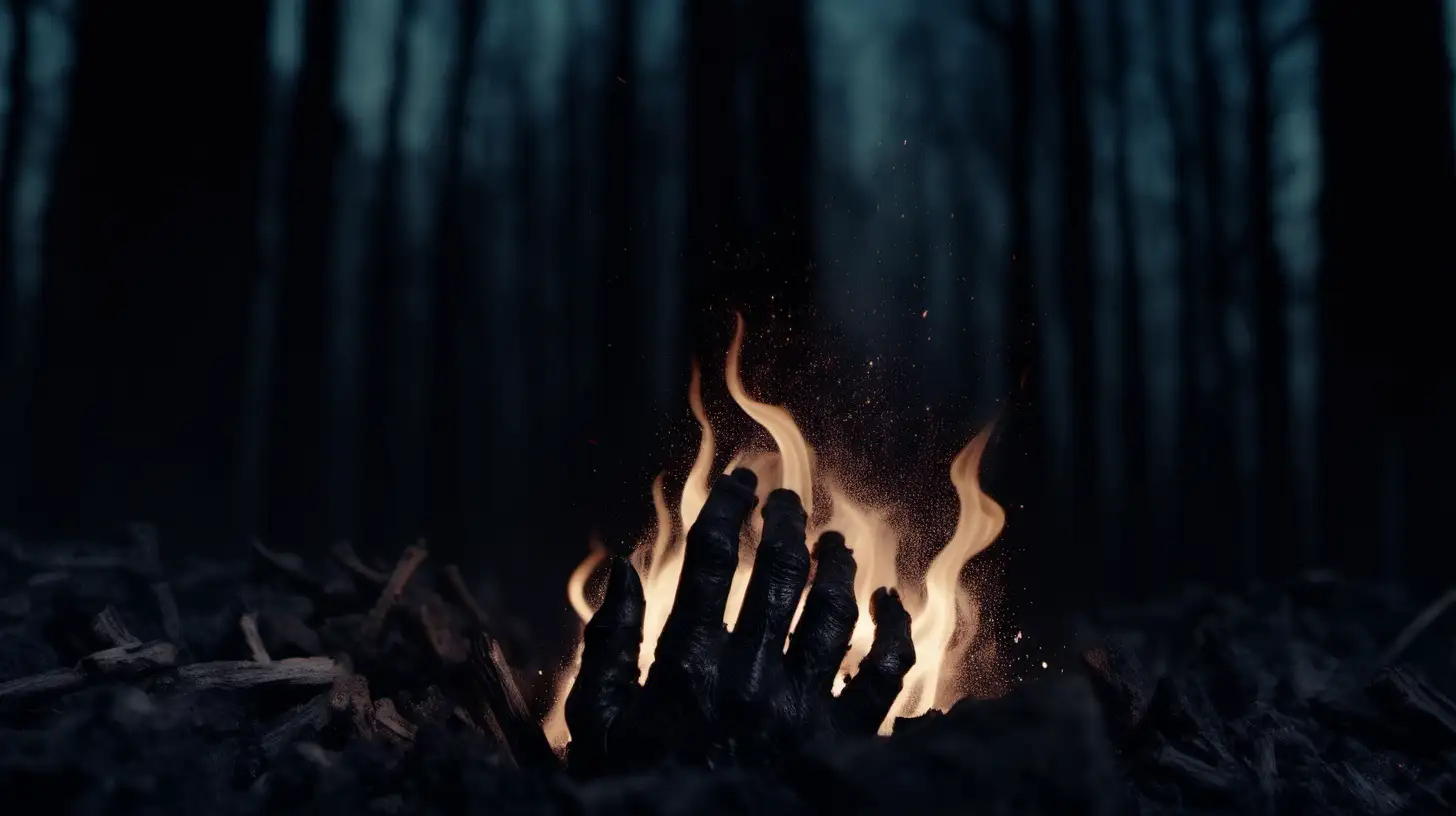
column 717, row 697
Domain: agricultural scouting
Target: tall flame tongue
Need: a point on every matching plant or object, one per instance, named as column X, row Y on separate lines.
column 945, row 615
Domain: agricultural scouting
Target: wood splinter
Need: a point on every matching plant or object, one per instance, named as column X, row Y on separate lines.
column 236, row 674
column 149, row 555
column 499, row 700
column 249, row 624
column 118, row 661
column 109, row 627
column 409, row 562
column 371, row 718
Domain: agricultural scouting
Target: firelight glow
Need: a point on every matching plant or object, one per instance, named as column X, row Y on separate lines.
column 945, row 613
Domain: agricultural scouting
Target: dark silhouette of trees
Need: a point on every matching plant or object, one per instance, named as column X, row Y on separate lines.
column 1388, row 200
column 404, row 267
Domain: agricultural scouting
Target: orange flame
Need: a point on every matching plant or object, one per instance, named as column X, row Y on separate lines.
column 946, row 615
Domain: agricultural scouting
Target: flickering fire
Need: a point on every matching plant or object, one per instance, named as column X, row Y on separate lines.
column 945, row 613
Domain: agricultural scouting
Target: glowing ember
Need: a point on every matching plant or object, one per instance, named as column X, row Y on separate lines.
column 946, row 616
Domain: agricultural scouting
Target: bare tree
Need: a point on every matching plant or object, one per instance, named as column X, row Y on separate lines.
column 37, row 52
column 1389, row 199
column 430, row 61
column 286, row 19
column 1271, row 300
column 1075, row 245
column 369, row 35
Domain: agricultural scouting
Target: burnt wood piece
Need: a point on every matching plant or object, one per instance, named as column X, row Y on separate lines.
column 109, row 628
column 149, row 558
column 55, row 682
column 1426, row 715
column 236, row 674
column 292, row 725
column 116, row 662
column 249, row 624
column 391, row 725
column 330, row 597
column 393, row 591
column 343, row 552
column 1417, row 628
column 495, row 695
column 370, row 718
column 433, row 621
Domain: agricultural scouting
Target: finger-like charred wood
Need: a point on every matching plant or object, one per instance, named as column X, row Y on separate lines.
column 496, row 697
column 393, row 591
column 238, row 674
column 867, row 697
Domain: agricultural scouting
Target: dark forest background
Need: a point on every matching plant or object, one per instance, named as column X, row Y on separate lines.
column 375, row 269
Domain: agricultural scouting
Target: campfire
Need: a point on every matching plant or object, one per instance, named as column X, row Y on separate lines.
column 348, row 684
column 945, row 613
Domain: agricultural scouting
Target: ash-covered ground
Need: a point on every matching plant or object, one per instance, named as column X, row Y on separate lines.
column 134, row 683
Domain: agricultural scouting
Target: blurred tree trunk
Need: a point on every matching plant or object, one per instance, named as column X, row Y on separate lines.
column 620, row 430
column 285, row 53
column 430, row 62
column 295, row 453
column 1388, row 205
column 1076, row 248
column 446, row 451
column 369, row 46
column 1030, row 337
column 1275, row 540
column 14, row 101
column 37, row 41
column 1222, row 514
column 1133, row 396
